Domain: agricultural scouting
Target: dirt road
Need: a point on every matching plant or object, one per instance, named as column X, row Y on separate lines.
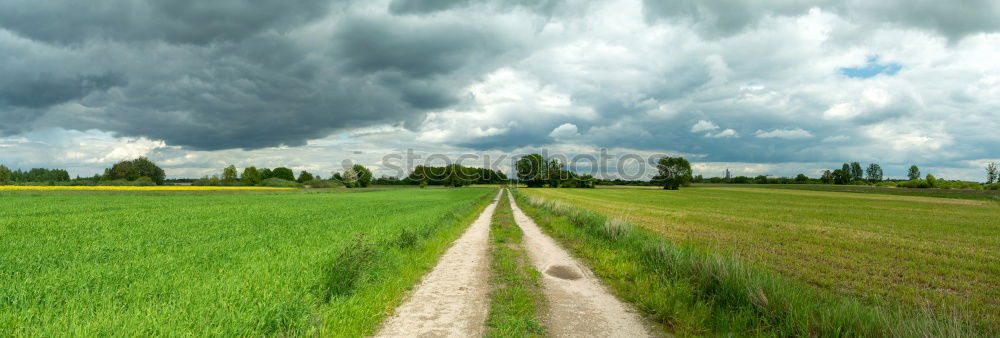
column 579, row 305
column 451, row 300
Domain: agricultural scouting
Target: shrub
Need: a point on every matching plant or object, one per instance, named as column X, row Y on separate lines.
column 280, row 183
column 319, row 184
column 143, row 182
column 115, row 183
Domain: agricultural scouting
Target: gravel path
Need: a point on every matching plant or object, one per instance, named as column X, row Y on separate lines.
column 451, row 300
column 579, row 305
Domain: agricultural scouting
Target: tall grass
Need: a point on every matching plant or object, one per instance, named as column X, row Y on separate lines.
column 691, row 291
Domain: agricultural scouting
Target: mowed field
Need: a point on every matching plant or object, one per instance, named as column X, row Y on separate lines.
column 244, row 264
column 917, row 252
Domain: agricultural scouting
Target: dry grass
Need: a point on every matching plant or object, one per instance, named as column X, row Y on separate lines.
column 918, row 252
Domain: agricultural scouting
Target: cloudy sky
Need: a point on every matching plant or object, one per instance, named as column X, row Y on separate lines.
column 760, row 87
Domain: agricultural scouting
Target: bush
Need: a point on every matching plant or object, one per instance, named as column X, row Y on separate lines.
column 280, row 183
column 917, row 183
column 143, row 182
column 115, row 183
column 319, row 184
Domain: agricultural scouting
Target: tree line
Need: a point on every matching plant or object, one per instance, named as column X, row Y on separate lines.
column 532, row 170
column 139, row 171
column 855, row 174
column 454, row 175
column 536, row 171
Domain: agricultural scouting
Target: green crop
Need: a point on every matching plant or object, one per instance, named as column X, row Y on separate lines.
column 246, row 264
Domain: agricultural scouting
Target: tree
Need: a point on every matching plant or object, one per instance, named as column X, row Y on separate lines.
column 801, row 178
column 674, row 172
column 364, row 176
column 931, row 180
column 266, row 174
column 283, row 173
column 847, row 169
column 530, row 170
column 5, row 175
column 760, row 179
column 991, row 173
column 841, row 176
column 350, row 178
column 555, row 174
column 914, row 173
column 856, row 173
column 250, row 176
column 132, row 170
column 229, row 175
column 874, row 173
column 827, row 177
column 305, row 176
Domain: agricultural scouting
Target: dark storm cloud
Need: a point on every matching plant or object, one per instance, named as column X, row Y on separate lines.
column 417, row 51
column 44, row 90
column 176, row 21
column 433, row 6
column 714, row 19
column 253, row 86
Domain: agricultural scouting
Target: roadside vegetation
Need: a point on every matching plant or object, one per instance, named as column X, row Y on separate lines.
column 516, row 299
column 718, row 260
column 219, row 264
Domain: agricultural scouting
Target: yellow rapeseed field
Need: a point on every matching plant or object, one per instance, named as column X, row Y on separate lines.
column 151, row 188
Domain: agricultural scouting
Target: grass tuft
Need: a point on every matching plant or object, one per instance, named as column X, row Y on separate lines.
column 349, row 266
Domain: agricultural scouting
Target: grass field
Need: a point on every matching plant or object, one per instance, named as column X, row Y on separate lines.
column 920, row 253
column 244, row 264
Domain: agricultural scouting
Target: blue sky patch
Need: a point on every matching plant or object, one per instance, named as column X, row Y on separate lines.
column 871, row 68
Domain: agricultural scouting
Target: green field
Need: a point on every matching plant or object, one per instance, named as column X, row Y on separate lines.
column 922, row 254
column 243, row 264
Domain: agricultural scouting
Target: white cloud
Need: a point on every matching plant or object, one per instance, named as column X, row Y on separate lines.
column 703, row 125
column 797, row 133
column 565, row 131
column 723, row 134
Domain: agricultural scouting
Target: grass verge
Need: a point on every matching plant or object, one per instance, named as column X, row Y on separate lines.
column 516, row 298
column 691, row 291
